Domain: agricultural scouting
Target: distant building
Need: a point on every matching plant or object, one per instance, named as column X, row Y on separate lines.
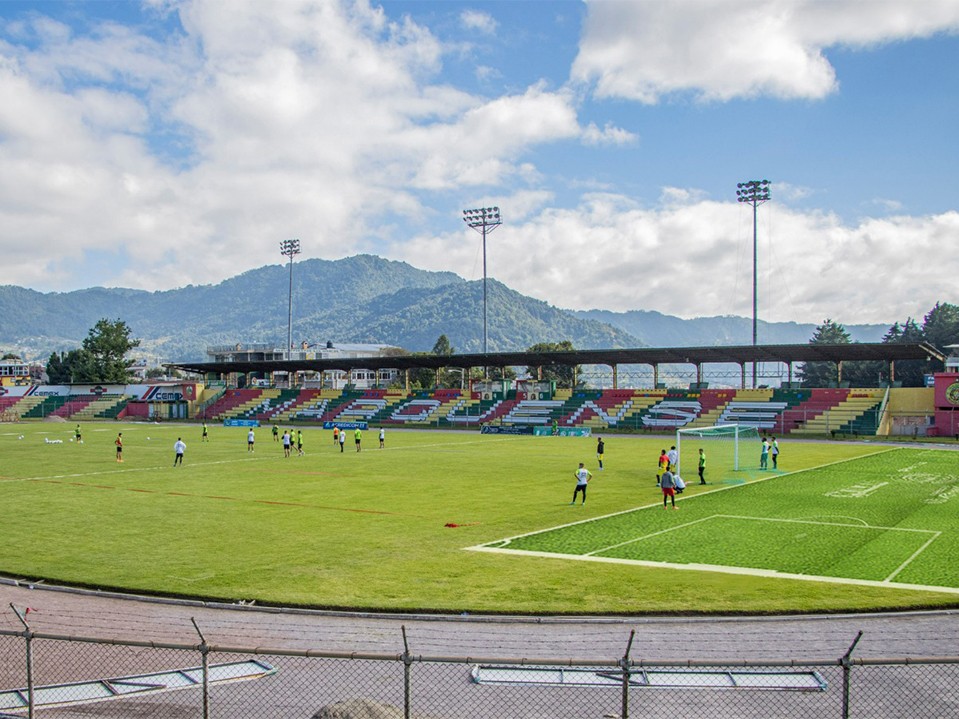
column 333, row 379
column 14, row 373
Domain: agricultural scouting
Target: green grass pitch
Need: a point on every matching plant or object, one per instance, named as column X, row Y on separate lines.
column 844, row 527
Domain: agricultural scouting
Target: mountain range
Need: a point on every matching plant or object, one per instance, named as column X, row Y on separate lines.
column 361, row 299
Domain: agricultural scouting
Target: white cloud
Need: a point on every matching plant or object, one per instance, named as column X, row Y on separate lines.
column 277, row 116
column 695, row 259
column 485, row 73
column 480, row 21
column 887, row 205
column 609, row 135
column 333, row 124
column 721, row 49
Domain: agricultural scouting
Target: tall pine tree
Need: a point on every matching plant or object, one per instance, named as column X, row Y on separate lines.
column 824, row 374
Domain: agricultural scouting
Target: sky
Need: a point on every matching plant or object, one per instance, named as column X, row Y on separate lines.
column 160, row 144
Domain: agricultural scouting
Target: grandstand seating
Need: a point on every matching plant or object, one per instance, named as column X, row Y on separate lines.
column 712, row 405
column 106, row 406
column 232, row 403
column 44, row 408
column 780, row 411
column 835, row 411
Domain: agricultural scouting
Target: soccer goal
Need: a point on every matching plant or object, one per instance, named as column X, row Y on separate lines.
column 721, row 444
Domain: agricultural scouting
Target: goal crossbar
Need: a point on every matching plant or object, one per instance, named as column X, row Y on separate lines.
column 726, row 433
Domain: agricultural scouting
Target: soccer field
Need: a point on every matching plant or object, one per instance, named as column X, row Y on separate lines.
column 391, row 528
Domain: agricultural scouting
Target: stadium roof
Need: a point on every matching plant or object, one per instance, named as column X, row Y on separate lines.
column 738, row 354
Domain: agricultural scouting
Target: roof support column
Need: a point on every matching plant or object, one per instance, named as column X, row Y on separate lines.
column 615, row 376
column 655, row 376
column 742, row 371
column 892, row 372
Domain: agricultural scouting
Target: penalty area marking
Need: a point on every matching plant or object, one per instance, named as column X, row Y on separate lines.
column 746, row 571
column 502, row 543
column 722, row 569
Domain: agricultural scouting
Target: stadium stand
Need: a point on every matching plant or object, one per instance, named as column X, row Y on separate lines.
column 780, row 411
column 840, row 411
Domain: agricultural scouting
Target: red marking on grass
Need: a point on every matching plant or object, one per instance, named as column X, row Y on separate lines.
column 312, row 506
column 453, row 525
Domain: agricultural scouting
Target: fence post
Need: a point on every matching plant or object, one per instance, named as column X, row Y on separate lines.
column 846, row 662
column 624, row 665
column 205, row 657
column 28, row 640
column 407, row 664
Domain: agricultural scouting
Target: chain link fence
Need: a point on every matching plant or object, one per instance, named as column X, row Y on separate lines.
column 69, row 677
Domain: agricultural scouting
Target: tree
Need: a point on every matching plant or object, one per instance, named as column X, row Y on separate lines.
column 103, row 354
column 823, row 374
column 443, row 346
column 61, row 367
column 909, row 372
column 500, row 373
column 445, row 377
column 560, row 373
column 940, row 328
column 10, row 356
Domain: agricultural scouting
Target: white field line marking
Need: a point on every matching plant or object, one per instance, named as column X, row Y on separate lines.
column 649, row 536
column 833, row 524
column 245, row 457
column 127, row 470
column 860, row 522
column 774, row 520
column 768, row 573
column 914, row 555
column 505, row 541
column 856, row 491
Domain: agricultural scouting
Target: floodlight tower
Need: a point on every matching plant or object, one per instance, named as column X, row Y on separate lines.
column 288, row 248
column 755, row 193
column 484, row 220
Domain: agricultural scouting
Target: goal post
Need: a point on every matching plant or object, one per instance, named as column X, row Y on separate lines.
column 723, row 445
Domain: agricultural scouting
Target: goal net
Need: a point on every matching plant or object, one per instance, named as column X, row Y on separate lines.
column 725, row 446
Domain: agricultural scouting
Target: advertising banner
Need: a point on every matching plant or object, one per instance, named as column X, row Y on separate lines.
column 563, row 432
column 495, row 429
column 346, row 425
